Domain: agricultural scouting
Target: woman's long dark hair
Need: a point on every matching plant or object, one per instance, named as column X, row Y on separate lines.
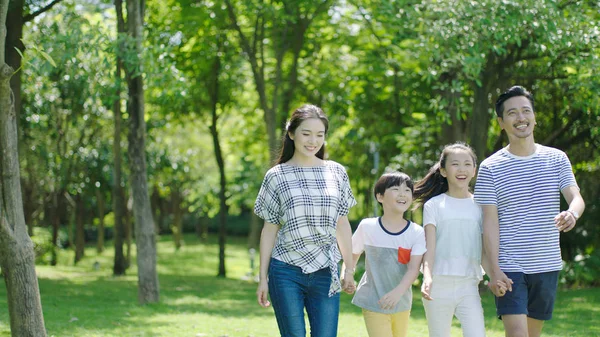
column 434, row 183
column 301, row 114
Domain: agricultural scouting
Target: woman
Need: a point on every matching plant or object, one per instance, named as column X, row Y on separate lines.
column 304, row 201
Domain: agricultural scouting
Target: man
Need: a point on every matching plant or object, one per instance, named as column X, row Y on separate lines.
column 519, row 190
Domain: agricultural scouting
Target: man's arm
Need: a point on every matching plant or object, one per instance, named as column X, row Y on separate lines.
column 566, row 220
column 491, row 245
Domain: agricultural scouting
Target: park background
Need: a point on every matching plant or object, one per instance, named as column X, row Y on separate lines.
column 143, row 129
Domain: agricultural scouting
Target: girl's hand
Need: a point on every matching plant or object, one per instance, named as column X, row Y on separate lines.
column 262, row 294
column 426, row 288
column 389, row 300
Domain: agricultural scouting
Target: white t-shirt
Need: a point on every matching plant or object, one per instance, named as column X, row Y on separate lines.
column 383, row 271
column 458, row 236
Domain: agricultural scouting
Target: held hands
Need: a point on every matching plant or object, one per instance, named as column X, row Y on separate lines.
column 500, row 283
column 565, row 221
column 262, row 294
column 389, row 300
column 426, row 288
column 348, row 283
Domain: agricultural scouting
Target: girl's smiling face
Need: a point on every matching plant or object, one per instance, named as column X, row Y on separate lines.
column 459, row 168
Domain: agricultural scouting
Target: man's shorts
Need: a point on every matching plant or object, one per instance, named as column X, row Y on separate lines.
column 532, row 295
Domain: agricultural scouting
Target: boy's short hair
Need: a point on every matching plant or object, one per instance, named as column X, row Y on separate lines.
column 392, row 179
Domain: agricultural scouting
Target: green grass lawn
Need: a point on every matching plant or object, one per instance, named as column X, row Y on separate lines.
column 84, row 302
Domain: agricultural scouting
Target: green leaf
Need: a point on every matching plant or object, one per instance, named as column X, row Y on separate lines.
column 47, row 57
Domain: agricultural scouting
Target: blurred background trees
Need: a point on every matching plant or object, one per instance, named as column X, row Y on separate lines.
column 398, row 80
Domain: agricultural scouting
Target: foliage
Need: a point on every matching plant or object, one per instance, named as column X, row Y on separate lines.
column 398, row 79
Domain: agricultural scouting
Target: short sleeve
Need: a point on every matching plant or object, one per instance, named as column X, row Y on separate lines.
column 358, row 240
column 485, row 192
column 268, row 204
column 347, row 200
column 429, row 213
column 566, row 176
column 419, row 247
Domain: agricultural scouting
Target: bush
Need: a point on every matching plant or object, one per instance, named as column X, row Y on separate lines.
column 584, row 271
column 42, row 244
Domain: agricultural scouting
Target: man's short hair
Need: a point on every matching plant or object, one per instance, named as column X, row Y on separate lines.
column 515, row 91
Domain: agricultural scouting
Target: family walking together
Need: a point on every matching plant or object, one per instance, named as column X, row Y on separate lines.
column 509, row 227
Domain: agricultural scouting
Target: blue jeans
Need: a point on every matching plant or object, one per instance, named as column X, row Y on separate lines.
column 292, row 291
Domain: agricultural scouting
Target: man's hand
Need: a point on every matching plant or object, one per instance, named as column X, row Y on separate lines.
column 500, row 283
column 565, row 221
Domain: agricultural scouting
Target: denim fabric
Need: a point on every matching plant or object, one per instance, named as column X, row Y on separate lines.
column 292, row 291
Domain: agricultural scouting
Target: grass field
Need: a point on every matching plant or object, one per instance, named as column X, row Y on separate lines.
column 82, row 301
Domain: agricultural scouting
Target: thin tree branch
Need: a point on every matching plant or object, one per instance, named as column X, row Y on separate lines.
column 33, row 15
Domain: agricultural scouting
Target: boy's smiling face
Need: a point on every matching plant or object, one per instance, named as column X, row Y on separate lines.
column 396, row 199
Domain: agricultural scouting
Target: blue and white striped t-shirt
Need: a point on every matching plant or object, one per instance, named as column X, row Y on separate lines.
column 526, row 191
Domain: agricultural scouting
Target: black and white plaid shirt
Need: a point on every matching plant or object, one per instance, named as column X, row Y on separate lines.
column 306, row 203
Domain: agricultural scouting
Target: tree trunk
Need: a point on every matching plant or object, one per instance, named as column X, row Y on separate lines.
column 79, row 229
column 255, row 229
column 177, row 227
column 214, row 93
column 479, row 123
column 128, row 230
column 202, row 228
column 100, row 201
column 55, row 227
column 120, row 263
column 14, row 24
column 155, row 204
column 453, row 131
column 148, row 291
column 17, row 258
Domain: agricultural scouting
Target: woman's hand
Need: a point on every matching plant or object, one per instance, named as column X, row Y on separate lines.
column 262, row 294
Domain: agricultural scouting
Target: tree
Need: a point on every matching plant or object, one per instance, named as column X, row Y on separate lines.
column 17, row 258
column 148, row 289
column 120, row 263
column 279, row 29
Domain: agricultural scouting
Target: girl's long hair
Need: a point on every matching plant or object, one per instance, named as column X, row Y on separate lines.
column 301, row 114
column 434, row 183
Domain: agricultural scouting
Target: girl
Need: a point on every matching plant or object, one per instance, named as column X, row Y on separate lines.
column 304, row 201
column 393, row 249
column 453, row 231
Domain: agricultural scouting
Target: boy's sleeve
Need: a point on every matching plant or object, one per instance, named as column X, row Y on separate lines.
column 358, row 240
column 268, row 205
column 429, row 214
column 419, row 247
column 485, row 191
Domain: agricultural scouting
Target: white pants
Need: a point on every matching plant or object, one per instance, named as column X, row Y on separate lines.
column 454, row 296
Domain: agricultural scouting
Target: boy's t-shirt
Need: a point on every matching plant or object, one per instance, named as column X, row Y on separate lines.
column 383, row 270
